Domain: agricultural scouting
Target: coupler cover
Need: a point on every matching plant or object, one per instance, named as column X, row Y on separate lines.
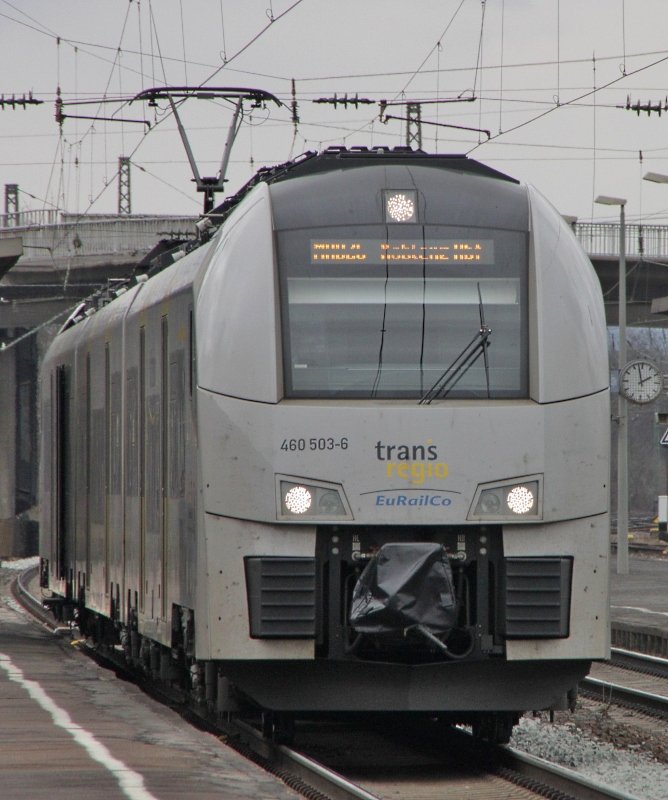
column 404, row 585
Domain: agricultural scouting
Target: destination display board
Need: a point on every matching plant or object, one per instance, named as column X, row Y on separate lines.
column 380, row 251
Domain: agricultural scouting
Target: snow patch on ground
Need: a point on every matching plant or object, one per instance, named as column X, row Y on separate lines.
column 19, row 564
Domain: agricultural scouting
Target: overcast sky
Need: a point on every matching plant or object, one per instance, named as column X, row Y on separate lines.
column 547, row 77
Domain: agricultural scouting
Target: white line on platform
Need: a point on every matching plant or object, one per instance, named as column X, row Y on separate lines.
column 130, row 782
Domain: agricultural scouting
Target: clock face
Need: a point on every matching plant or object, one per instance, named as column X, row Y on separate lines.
column 640, row 381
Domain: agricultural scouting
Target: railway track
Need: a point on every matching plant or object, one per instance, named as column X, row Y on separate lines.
column 447, row 764
column 342, row 762
column 632, row 679
column 640, row 662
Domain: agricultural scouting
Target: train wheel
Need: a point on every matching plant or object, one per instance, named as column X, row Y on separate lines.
column 495, row 727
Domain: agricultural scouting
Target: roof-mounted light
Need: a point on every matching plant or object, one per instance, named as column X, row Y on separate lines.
column 400, row 205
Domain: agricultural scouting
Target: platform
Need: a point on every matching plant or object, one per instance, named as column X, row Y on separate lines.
column 70, row 729
column 639, row 605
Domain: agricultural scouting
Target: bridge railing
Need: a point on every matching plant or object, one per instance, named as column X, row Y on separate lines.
column 79, row 237
column 602, row 239
column 24, row 219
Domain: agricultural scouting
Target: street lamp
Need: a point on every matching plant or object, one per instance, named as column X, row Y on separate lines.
column 622, row 430
column 655, row 177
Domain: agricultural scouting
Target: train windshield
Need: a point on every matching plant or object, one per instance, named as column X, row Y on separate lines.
column 374, row 312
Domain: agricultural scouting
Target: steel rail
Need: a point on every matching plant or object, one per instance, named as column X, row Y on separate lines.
column 639, row 662
column 20, row 589
column 316, row 775
column 614, row 692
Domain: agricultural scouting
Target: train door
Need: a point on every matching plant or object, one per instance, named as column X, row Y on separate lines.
column 141, row 438
column 89, row 468
column 62, row 472
column 82, row 436
column 107, row 464
column 164, row 437
column 116, row 551
column 152, row 469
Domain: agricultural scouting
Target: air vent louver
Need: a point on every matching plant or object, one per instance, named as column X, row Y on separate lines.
column 538, row 595
column 281, row 597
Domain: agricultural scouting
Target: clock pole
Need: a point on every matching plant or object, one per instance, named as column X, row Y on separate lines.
column 622, row 410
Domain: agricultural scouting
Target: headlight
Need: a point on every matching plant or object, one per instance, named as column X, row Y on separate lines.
column 520, row 499
column 308, row 500
column 508, row 501
column 298, row 500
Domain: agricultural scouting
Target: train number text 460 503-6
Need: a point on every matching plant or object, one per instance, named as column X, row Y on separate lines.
column 315, row 443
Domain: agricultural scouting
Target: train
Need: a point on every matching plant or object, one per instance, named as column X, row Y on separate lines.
column 343, row 452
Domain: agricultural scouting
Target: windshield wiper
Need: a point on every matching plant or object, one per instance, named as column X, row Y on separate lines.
column 451, row 376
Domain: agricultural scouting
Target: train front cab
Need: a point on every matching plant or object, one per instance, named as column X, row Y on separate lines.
column 531, row 592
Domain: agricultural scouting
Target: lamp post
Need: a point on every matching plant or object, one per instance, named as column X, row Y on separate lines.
column 622, row 411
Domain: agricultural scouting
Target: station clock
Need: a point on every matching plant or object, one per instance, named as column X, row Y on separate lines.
column 640, row 381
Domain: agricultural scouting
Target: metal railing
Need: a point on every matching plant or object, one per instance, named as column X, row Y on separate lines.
column 24, row 219
column 642, row 241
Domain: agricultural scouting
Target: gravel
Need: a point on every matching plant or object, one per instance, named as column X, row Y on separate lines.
column 628, row 770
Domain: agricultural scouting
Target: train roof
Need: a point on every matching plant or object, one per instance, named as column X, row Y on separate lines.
column 339, row 157
column 333, row 159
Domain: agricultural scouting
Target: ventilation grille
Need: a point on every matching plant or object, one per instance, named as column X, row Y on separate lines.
column 538, row 597
column 281, row 597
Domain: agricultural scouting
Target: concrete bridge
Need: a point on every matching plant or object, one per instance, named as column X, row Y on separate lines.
column 58, row 263
column 49, row 262
column 646, row 268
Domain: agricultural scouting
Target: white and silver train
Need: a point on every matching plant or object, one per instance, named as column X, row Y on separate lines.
column 350, row 454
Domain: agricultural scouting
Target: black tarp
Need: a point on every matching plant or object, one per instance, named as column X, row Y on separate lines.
column 405, row 584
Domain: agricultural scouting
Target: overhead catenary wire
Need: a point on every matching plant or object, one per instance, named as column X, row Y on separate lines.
column 573, row 100
column 350, row 131
column 332, row 130
column 116, row 62
column 71, row 41
column 478, row 72
column 183, row 42
column 431, row 51
column 258, row 35
column 503, row 27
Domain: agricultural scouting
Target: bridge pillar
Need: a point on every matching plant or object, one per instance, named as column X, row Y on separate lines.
column 18, row 454
column 8, row 449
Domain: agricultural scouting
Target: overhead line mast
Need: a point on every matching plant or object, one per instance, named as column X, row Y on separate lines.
column 413, row 118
